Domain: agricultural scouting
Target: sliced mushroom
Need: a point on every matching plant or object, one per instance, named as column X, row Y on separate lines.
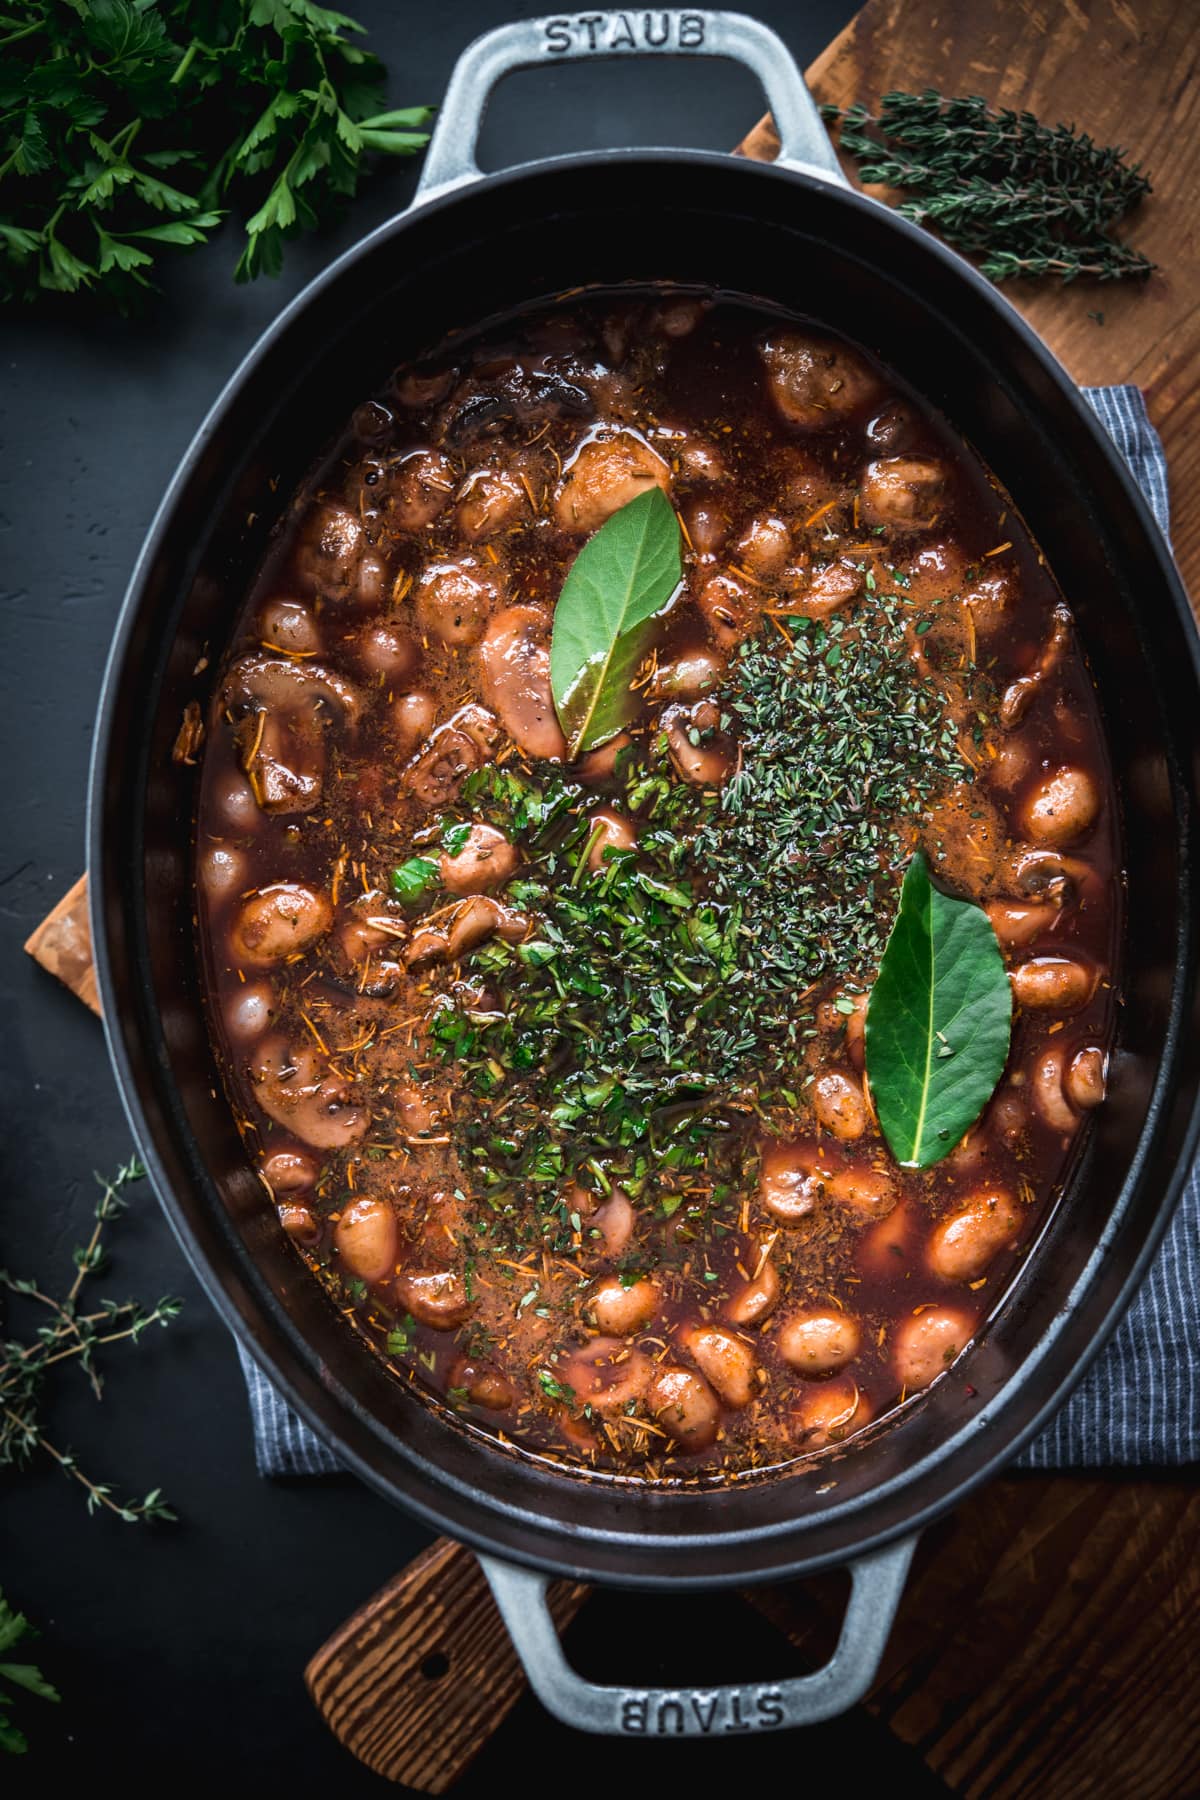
column 417, row 487
column 606, row 473
column 490, row 500
column 278, row 922
column 447, row 935
column 454, row 599
column 1020, row 694
column 435, row 1297
column 514, row 662
column 701, row 752
column 259, row 681
column 452, row 753
column 607, row 1375
column 280, row 708
column 813, row 381
column 321, row 1109
column 906, row 491
column 725, row 1360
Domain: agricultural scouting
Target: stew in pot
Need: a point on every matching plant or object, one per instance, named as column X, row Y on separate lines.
column 552, row 1042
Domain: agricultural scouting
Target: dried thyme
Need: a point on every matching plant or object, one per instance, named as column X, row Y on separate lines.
column 842, row 744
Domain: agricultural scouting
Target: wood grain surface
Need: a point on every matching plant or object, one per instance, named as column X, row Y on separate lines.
column 1047, row 1644
column 1047, row 1641
column 62, row 944
column 420, row 1678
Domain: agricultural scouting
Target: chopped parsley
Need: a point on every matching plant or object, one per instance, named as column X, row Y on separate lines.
column 413, row 879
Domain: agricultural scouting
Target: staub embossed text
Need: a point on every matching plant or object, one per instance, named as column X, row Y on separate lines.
column 605, row 32
column 702, row 1713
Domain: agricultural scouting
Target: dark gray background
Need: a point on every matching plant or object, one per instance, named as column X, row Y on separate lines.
column 179, row 1649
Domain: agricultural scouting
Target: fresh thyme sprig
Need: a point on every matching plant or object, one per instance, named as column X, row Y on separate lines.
column 1026, row 198
column 131, row 126
column 71, row 1335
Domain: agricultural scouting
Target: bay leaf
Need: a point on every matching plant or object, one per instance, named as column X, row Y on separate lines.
column 939, row 1021
column 616, row 591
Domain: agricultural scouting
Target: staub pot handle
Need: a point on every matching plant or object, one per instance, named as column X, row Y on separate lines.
column 532, row 43
column 877, row 1582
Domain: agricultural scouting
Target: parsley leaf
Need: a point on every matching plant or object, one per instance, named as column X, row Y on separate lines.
column 555, row 1389
column 414, row 878
column 13, row 1627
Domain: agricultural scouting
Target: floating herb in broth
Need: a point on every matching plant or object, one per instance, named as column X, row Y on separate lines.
column 828, row 721
column 939, row 1021
column 616, row 591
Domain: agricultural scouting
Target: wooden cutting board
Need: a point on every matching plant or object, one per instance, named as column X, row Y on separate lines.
column 1047, row 1642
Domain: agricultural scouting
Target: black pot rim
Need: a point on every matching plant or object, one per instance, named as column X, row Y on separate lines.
column 270, row 1337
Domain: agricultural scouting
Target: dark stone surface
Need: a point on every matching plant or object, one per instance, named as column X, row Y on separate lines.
column 179, row 1649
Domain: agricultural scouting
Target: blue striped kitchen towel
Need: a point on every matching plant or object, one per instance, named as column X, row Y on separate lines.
column 1140, row 1401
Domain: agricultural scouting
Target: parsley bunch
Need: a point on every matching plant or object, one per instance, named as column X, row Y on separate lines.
column 130, row 126
column 14, row 1626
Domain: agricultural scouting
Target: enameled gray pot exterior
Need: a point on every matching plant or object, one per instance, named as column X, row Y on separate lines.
column 473, row 248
